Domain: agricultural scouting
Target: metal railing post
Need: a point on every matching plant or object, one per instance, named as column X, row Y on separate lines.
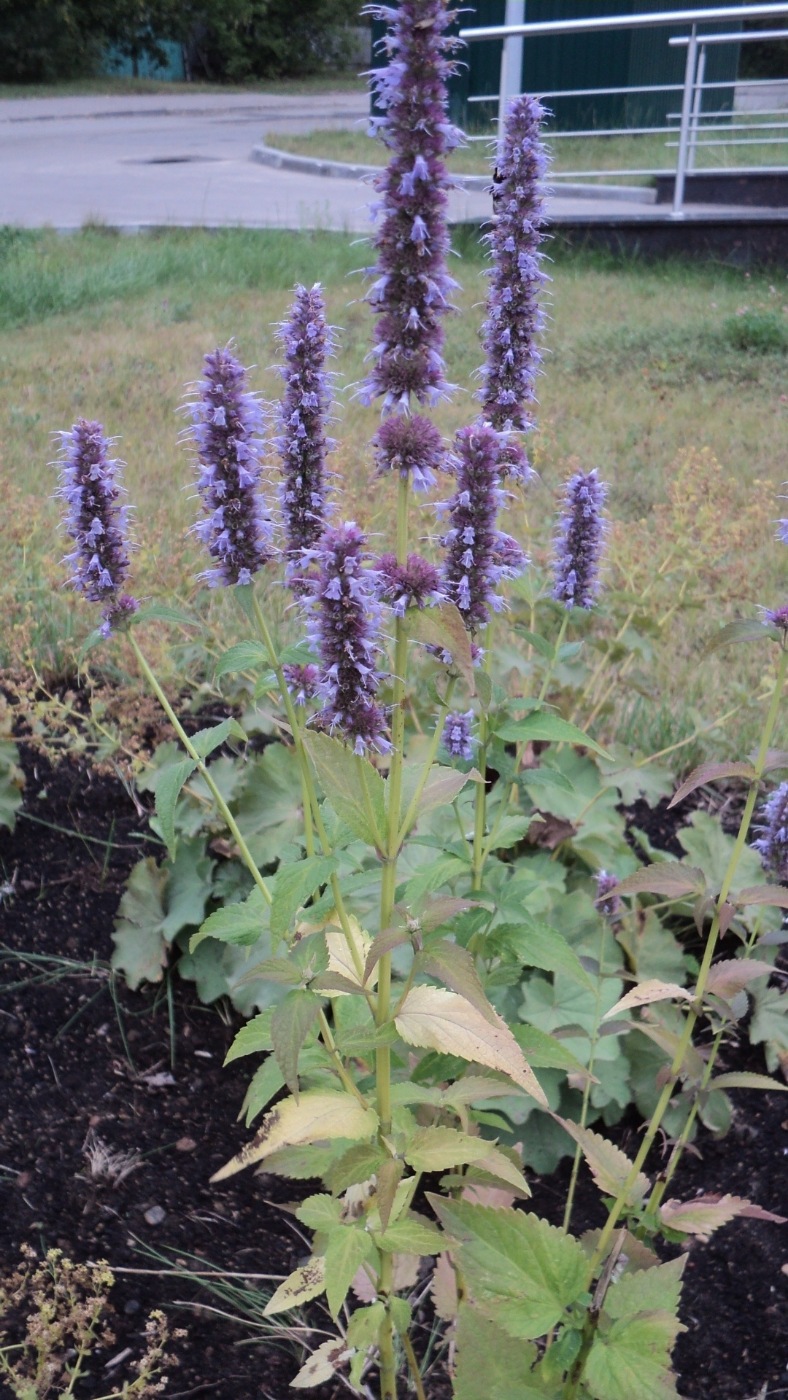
column 511, row 61
column 686, row 118
column 697, row 107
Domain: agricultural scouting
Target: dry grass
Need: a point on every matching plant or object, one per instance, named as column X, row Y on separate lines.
column 643, row 364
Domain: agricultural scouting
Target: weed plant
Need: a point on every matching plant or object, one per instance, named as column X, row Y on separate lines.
column 405, row 849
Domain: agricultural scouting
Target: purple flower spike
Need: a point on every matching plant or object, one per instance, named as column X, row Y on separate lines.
column 514, row 317
column 772, row 844
column 413, row 585
column 227, row 421
column 95, row 521
column 610, row 906
column 579, row 540
column 344, row 614
column 457, row 740
column 302, row 443
column 302, row 681
column 478, row 555
column 412, row 288
column 411, row 445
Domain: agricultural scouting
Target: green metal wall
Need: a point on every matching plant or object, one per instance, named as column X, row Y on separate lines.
column 627, row 58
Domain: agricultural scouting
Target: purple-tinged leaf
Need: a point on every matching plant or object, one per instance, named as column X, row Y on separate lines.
column 669, row 878
column 733, row 974
column 761, row 894
column 744, row 1079
column 453, row 965
column 706, row 1214
column 646, row 993
column 443, row 628
column 746, row 630
column 709, row 773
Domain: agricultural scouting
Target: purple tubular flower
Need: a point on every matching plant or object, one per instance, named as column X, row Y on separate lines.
column 478, row 555
column 227, row 420
column 772, row 844
column 579, row 540
column 777, row 617
column 411, row 445
column 302, row 681
column 344, row 614
column 457, row 740
column 611, row 906
column 514, row 317
column 95, row 521
column 413, row 585
column 302, row 443
column 412, row 288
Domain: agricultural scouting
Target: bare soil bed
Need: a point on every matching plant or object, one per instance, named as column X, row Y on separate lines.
column 80, row 1054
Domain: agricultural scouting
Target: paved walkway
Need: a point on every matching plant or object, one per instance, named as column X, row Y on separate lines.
column 186, row 160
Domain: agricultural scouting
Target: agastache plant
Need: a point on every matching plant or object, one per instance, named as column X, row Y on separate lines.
column 302, row 443
column 387, row 946
column 514, row 313
column 96, row 521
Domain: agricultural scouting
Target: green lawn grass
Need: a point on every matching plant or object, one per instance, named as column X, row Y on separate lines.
column 115, row 86
column 643, row 365
column 568, row 154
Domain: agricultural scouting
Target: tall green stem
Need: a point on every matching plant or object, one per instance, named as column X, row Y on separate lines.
column 203, row 770
column 388, row 1369
column 480, row 804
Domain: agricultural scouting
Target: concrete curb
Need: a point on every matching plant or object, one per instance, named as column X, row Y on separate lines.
column 342, row 170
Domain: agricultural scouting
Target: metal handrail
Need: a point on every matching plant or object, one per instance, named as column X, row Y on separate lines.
column 692, row 89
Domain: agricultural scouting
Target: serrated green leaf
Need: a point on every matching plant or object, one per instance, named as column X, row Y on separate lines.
column 359, row 1163
column 253, row 1038
column 609, row 1166
column 538, row 945
column 647, row 1290
column 489, row 1363
column 549, row 778
column 140, row 945
column 411, row 1235
column 364, row 1326
column 746, row 630
column 245, row 656
column 444, row 628
column 294, row 885
column 632, row 1358
column 162, row 612
column 544, row 1051
column 320, row 1212
column 351, row 785
column 435, row 1149
column 483, row 687
column 527, row 1270
column 168, row 789
column 744, row 1079
column 242, row 924
column 547, row 727
column 206, row 740
column 291, row 1023
column 346, row 1250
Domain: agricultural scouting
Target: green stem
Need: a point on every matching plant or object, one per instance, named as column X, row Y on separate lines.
column 388, row 886
column 480, row 807
column 413, row 806
column 570, row 1199
column 413, row 1364
column 710, row 949
column 203, row 770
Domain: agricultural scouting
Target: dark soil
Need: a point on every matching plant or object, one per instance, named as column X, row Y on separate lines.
column 78, row 1052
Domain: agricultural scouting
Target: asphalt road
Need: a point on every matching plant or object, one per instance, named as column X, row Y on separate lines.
column 132, row 162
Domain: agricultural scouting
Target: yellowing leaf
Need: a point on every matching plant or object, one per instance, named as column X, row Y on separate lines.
column 300, row 1287
column 340, row 958
column 705, row 1214
column 442, row 1020
column 315, row 1117
column 647, row 992
column 322, row 1364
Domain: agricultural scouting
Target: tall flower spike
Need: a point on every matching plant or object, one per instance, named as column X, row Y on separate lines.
column 302, row 443
column 514, row 316
column 344, row 615
column 478, row 554
column 578, row 546
column 226, row 422
column 95, row 520
column 412, row 288
column 772, row 844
